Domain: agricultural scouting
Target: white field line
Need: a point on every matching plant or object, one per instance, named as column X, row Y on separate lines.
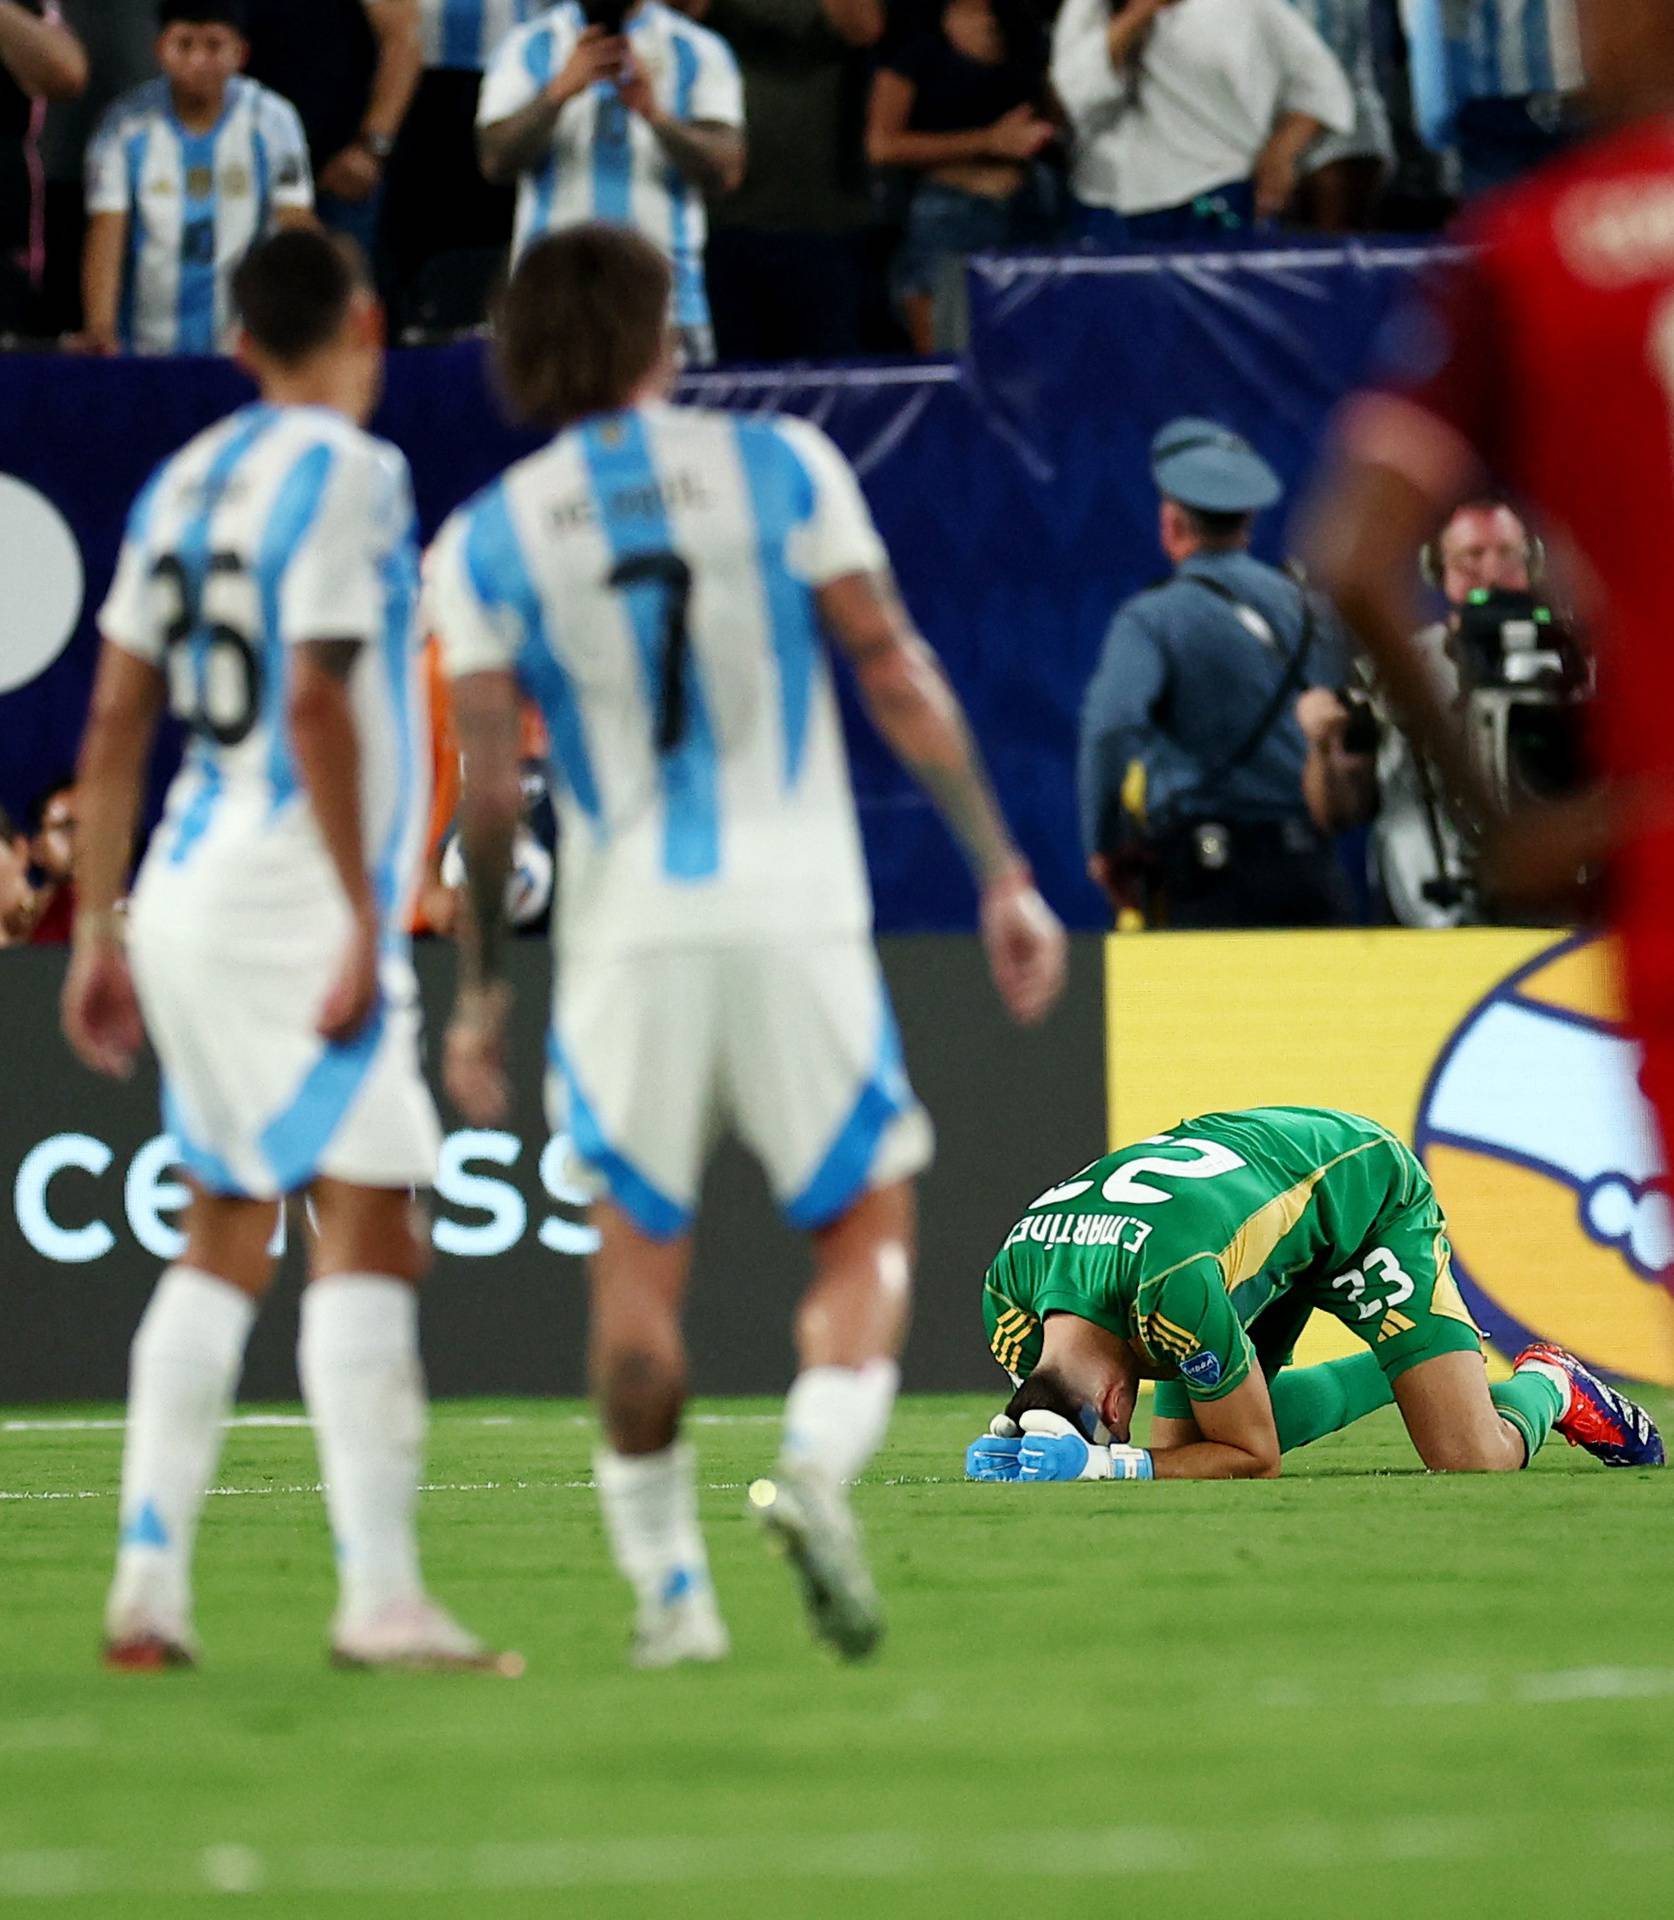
column 680, row 1860
column 439, row 1413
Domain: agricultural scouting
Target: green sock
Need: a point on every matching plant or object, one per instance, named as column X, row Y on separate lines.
column 1310, row 1402
column 1531, row 1403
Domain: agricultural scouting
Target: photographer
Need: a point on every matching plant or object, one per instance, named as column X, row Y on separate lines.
column 624, row 111
column 1215, row 761
column 1421, row 854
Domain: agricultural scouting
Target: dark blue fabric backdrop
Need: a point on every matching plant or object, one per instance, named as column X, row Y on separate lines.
column 1012, row 490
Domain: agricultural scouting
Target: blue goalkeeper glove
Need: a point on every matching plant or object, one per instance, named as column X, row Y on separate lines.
column 994, row 1456
column 1053, row 1448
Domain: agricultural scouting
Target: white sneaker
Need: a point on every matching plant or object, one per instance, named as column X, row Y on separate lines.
column 419, row 1635
column 805, row 1514
column 685, row 1629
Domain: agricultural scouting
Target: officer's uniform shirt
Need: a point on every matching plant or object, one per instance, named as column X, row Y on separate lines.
column 1183, row 678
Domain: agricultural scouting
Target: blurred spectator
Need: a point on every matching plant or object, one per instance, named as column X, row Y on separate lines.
column 1343, row 173
column 439, row 212
column 16, row 895
column 350, row 68
column 1212, row 759
column 40, row 60
column 183, row 175
column 1191, row 117
column 790, row 253
column 633, row 120
column 121, row 41
column 37, row 891
column 52, row 857
column 965, row 106
column 1420, row 850
column 1497, row 84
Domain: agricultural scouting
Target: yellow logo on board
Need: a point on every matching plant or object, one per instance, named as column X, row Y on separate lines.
column 1545, row 1158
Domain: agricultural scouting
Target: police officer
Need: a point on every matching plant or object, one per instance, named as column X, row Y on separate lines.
column 1214, row 760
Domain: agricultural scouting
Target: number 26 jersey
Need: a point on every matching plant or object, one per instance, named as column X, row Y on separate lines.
column 279, row 525
column 651, row 576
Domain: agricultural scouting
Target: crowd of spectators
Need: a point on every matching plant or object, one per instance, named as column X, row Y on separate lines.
column 817, row 169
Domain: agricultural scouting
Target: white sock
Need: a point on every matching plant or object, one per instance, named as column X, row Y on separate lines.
column 1559, row 1379
column 182, row 1373
column 836, row 1417
column 358, row 1357
column 651, row 1520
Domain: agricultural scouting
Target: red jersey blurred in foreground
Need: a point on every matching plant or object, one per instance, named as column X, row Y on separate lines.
column 1543, row 363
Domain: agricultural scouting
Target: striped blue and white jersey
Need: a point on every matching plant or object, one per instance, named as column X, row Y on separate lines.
column 278, row 526
column 195, row 203
column 465, row 34
column 605, row 162
column 651, row 577
column 1487, row 50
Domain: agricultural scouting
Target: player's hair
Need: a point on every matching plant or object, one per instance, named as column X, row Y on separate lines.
column 1045, row 1391
column 582, row 323
column 293, row 289
column 202, row 13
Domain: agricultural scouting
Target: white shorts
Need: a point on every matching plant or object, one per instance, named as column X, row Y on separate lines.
column 791, row 1047
column 258, row 1102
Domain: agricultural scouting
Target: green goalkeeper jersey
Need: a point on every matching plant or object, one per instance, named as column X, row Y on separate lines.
column 1178, row 1243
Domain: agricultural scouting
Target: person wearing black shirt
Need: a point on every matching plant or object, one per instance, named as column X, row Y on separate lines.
column 350, row 68
column 40, row 60
column 964, row 106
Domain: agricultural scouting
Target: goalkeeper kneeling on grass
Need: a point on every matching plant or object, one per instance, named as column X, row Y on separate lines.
column 1195, row 1258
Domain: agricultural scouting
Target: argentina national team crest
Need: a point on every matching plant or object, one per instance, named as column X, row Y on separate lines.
column 1545, row 1158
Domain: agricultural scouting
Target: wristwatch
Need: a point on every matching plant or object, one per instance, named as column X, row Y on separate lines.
column 379, row 145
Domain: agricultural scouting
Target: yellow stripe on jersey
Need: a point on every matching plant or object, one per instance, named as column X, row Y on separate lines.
column 1446, row 1301
column 1172, row 1335
column 1251, row 1247
column 1394, row 1322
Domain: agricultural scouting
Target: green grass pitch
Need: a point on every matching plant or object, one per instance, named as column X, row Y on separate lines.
column 1354, row 1692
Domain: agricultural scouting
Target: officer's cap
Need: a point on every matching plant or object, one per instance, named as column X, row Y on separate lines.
column 1202, row 464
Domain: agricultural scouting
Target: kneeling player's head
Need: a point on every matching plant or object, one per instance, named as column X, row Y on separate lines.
column 200, row 46
column 1086, row 1375
column 583, row 327
column 309, row 319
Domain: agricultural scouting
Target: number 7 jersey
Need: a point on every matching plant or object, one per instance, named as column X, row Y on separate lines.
column 650, row 577
column 1177, row 1244
column 279, row 525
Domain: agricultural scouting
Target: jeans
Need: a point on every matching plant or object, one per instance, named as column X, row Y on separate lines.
column 945, row 222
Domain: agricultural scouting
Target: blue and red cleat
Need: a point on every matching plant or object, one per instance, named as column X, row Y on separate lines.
column 1609, row 1425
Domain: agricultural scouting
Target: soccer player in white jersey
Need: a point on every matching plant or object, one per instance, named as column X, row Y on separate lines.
column 664, row 582
column 631, row 121
column 183, row 175
column 265, row 594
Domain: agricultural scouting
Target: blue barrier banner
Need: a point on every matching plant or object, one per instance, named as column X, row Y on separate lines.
column 1012, row 489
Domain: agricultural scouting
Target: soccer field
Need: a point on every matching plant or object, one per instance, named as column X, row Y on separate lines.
column 1356, row 1691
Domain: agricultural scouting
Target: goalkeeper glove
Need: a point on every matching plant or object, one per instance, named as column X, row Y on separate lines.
column 994, row 1456
column 1053, row 1448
